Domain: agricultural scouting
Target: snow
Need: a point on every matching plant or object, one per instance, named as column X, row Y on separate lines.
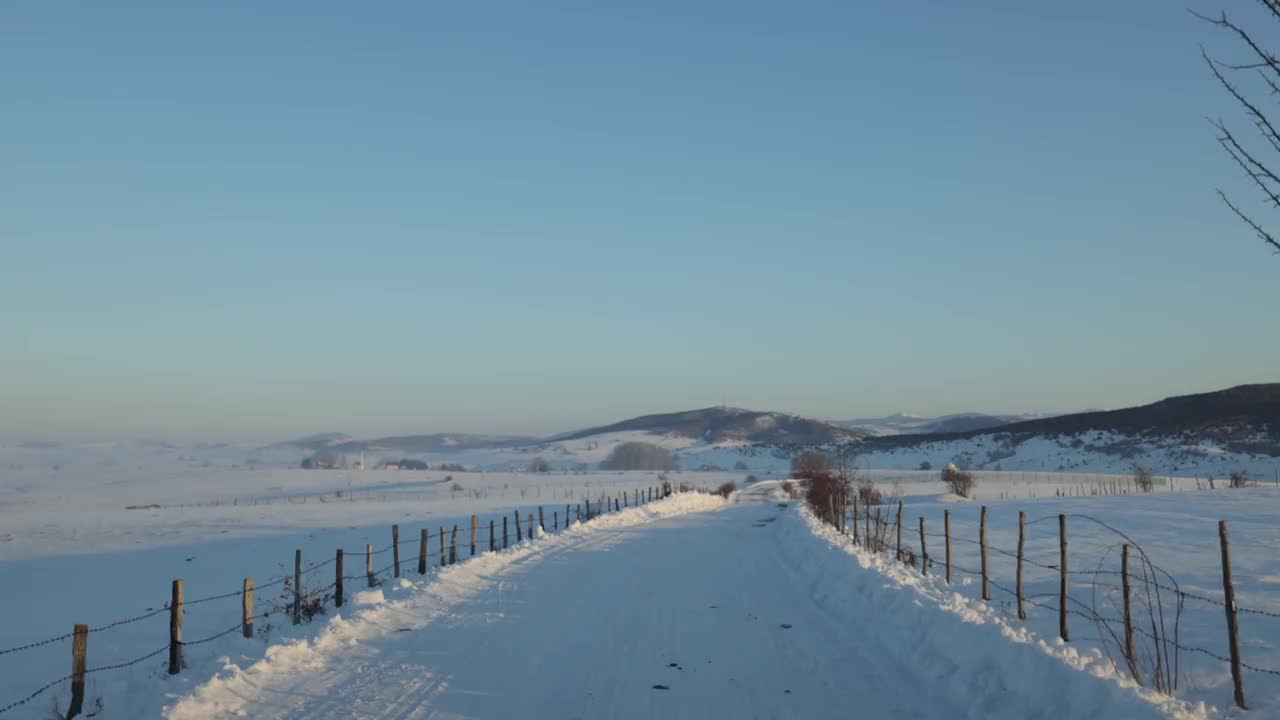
column 67, row 536
column 1093, row 452
column 473, row 617
column 1176, row 529
column 647, row 614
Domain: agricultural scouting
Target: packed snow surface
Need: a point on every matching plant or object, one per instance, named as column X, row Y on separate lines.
column 685, row 608
column 99, row 537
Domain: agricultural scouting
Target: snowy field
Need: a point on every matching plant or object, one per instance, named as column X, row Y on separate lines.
column 685, row 608
column 1090, row 452
column 68, row 531
column 1178, row 531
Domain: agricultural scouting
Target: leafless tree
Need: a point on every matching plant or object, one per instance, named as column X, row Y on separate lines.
column 1256, row 159
column 1143, row 479
column 810, row 463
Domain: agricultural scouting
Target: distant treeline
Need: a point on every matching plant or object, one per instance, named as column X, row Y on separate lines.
column 637, row 455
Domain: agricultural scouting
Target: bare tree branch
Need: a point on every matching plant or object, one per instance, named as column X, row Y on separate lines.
column 1265, row 58
column 1263, row 234
column 1262, row 121
column 1259, row 175
column 1267, row 65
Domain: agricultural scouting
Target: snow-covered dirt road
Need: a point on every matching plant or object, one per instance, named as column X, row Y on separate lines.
column 694, row 610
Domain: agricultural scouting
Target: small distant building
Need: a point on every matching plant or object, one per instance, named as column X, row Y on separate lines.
column 324, row 461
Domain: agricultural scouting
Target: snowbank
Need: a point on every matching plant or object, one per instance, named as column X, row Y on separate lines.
column 410, row 607
column 966, row 644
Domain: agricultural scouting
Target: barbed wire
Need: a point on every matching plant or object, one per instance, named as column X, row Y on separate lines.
column 324, row 598
column 275, row 581
column 892, row 526
column 883, row 528
column 33, row 695
column 88, row 671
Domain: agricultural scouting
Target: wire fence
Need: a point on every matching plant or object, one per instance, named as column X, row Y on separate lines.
column 1136, row 607
column 302, row 603
column 1032, row 484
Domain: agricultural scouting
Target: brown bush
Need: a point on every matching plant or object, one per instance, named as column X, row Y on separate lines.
column 1239, row 478
column 827, row 495
column 869, row 494
column 958, row 481
column 808, row 464
column 1143, row 479
column 726, row 489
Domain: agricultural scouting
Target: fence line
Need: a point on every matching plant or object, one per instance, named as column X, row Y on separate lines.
column 879, row 529
column 305, row 604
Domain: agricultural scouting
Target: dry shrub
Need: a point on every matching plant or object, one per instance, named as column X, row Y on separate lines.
column 807, row 464
column 1143, row 479
column 869, row 494
column 827, row 495
column 1239, row 478
column 958, row 481
column 726, row 489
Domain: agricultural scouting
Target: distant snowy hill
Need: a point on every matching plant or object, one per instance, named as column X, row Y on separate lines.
column 438, row 442
column 1207, row 433
column 903, row 424
column 709, row 437
column 725, row 424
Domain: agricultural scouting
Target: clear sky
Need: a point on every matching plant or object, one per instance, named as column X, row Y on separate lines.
column 241, row 220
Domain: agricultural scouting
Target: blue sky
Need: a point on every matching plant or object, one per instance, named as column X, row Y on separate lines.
column 247, row 220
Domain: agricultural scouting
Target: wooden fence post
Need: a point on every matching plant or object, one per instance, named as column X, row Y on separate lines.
column 474, row 521
column 368, row 563
column 855, row 519
column 1063, row 630
column 79, row 649
column 1022, row 539
column 1130, row 654
column 297, row 587
column 542, row 522
column 866, row 526
column 395, row 549
column 175, row 629
column 924, row 550
column 337, row 580
column 982, row 544
column 504, row 532
column 899, row 550
column 946, row 532
column 246, row 607
column 1233, row 626
column 423, row 541
column 519, row 533
column 492, row 543
column 566, row 515
column 442, row 547
column 578, row 510
column 555, row 520
column 530, row 526
column 453, row 546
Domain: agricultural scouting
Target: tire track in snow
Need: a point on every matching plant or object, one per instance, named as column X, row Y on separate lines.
column 734, row 615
